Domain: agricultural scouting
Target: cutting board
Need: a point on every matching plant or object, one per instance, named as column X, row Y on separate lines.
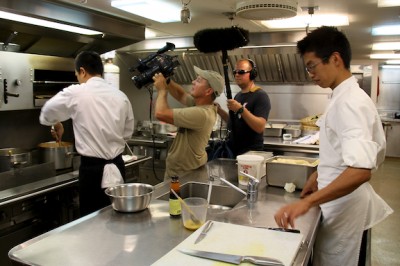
column 238, row 240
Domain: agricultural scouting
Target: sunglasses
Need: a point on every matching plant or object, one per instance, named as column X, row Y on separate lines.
column 240, row 72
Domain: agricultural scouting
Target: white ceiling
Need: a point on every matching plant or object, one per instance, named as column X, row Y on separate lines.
column 363, row 15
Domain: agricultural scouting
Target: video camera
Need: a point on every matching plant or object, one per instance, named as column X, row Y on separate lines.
column 155, row 63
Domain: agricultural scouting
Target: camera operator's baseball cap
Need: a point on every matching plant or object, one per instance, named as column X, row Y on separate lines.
column 215, row 79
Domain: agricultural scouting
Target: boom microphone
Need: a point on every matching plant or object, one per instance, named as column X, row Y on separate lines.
column 215, row 40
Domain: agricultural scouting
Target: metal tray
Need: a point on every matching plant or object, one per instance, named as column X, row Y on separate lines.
column 278, row 174
column 295, row 131
column 273, row 130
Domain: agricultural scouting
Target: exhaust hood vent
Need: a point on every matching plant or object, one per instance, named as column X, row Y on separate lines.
column 266, row 9
column 277, row 65
column 33, row 39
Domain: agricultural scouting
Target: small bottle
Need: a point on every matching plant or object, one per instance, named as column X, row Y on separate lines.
column 174, row 204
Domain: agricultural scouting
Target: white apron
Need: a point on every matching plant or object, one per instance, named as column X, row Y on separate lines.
column 339, row 236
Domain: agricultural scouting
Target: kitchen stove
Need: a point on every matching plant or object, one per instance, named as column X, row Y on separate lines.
column 30, row 205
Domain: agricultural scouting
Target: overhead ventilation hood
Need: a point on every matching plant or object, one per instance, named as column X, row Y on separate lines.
column 275, row 55
column 32, row 39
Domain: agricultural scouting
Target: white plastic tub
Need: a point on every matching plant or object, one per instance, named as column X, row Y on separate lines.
column 249, row 164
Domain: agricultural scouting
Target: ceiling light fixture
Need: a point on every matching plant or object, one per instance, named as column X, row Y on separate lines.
column 156, row 10
column 384, row 56
column 386, row 46
column 47, row 24
column 185, row 13
column 393, row 62
column 266, row 9
column 386, row 3
column 386, row 30
column 304, row 21
column 390, row 66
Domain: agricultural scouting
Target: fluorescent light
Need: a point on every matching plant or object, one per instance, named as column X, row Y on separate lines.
column 386, row 46
column 303, row 20
column 384, row 56
column 46, row 23
column 390, row 66
column 270, row 45
column 386, row 30
column 393, row 62
column 152, row 9
column 386, row 3
column 149, row 33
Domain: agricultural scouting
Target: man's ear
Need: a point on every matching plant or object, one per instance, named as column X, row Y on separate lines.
column 209, row 91
column 82, row 71
column 337, row 59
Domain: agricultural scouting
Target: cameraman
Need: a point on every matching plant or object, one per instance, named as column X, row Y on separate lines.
column 194, row 122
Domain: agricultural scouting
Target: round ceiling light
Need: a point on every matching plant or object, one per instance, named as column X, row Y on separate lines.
column 266, row 9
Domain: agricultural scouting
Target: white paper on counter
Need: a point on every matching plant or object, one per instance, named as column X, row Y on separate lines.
column 238, row 240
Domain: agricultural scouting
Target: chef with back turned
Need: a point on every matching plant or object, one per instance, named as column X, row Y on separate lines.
column 102, row 119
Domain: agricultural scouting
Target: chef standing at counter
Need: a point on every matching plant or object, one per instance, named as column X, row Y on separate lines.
column 195, row 122
column 102, row 119
column 352, row 144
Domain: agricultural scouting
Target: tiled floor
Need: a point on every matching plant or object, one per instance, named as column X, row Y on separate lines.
column 385, row 241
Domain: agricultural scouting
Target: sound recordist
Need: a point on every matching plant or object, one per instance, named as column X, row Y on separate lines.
column 251, row 107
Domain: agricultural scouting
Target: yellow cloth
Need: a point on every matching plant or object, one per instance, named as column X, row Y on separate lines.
column 255, row 88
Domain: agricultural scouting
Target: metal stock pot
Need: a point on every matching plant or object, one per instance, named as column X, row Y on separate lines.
column 13, row 158
column 59, row 153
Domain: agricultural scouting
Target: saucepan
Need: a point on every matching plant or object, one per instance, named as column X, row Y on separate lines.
column 14, row 158
column 61, row 153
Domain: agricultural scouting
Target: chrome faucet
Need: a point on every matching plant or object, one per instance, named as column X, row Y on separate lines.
column 252, row 187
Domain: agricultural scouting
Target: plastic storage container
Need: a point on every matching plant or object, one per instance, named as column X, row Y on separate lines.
column 249, row 164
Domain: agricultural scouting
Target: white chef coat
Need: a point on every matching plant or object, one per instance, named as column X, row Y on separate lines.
column 102, row 119
column 351, row 135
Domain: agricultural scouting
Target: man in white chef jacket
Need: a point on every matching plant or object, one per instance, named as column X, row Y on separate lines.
column 102, row 118
column 352, row 145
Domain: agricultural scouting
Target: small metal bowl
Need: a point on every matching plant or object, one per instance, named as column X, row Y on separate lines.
column 130, row 197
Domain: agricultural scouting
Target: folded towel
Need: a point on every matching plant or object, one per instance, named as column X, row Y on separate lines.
column 111, row 176
column 129, row 158
column 309, row 139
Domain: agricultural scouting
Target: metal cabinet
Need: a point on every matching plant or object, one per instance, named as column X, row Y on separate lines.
column 18, row 88
column 392, row 131
column 16, row 85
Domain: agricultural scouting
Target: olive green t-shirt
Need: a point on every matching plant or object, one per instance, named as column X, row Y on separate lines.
column 187, row 151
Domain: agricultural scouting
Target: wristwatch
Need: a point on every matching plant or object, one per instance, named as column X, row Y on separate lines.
column 240, row 110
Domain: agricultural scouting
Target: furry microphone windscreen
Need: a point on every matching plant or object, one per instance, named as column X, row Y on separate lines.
column 214, row 40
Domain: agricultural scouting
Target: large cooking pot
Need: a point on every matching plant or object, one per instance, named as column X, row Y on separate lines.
column 11, row 158
column 59, row 153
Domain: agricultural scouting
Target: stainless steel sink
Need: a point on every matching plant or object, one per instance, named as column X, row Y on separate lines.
column 222, row 197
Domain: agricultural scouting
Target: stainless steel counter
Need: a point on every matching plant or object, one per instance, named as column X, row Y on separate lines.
column 107, row 237
column 37, row 184
column 384, row 119
column 279, row 145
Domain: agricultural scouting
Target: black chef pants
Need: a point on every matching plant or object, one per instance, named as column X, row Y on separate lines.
column 91, row 194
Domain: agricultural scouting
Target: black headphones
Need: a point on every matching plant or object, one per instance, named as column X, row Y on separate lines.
column 253, row 71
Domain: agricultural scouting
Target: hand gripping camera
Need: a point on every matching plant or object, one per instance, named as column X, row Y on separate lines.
column 155, row 63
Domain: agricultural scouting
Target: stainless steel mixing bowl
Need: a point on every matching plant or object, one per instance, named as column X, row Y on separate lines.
column 130, row 197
